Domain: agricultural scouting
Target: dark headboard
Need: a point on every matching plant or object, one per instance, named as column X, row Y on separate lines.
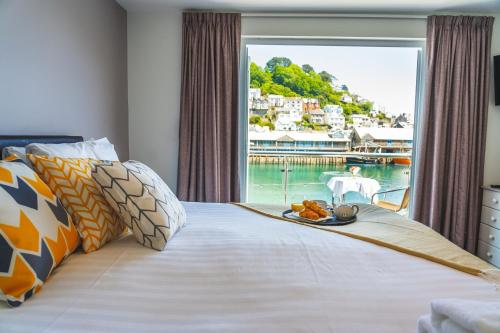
column 24, row 140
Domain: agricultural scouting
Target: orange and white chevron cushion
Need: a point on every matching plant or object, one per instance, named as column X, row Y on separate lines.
column 70, row 179
column 36, row 233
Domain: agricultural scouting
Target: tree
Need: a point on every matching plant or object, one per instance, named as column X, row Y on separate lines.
column 255, row 120
column 345, row 88
column 367, row 107
column 306, row 118
column 381, row 116
column 307, row 68
column 278, row 61
column 326, row 77
column 258, row 77
column 268, row 124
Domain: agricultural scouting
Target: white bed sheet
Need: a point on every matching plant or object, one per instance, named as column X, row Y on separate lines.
column 231, row 270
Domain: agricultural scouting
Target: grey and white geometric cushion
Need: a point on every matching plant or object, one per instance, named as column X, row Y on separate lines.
column 146, row 204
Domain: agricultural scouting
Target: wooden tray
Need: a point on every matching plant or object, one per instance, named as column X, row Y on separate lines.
column 331, row 221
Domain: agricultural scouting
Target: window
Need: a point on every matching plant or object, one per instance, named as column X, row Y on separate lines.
column 323, row 107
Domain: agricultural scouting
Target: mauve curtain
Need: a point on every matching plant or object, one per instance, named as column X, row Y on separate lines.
column 450, row 155
column 208, row 137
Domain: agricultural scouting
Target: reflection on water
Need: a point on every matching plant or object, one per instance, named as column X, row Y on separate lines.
column 266, row 181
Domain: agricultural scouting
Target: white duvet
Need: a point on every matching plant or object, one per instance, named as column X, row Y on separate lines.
column 231, row 270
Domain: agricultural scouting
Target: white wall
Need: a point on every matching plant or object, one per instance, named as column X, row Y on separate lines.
column 63, row 69
column 333, row 27
column 154, row 42
column 154, row 63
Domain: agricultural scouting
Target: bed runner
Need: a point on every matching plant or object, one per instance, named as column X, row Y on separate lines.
column 388, row 229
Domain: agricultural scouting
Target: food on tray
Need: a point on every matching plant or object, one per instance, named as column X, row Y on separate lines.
column 309, row 214
column 310, row 210
column 298, row 207
column 313, row 206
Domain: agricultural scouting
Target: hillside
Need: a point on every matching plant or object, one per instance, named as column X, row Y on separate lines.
column 282, row 77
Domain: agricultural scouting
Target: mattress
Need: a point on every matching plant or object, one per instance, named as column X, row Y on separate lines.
column 232, row 270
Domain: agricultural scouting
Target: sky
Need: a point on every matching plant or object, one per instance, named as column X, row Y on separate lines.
column 384, row 75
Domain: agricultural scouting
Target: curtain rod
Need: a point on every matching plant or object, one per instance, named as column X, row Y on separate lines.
column 327, row 15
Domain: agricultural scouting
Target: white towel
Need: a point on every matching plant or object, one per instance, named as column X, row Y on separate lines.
column 461, row 316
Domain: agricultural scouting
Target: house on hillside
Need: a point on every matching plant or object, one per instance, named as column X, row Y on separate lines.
column 276, row 100
column 284, row 123
column 346, row 98
column 361, row 120
column 335, row 120
column 253, row 93
column 334, row 116
column 258, row 106
column 382, row 140
column 309, row 104
column 317, row 117
column 294, row 105
column 333, row 108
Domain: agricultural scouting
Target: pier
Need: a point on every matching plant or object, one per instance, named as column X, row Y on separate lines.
column 317, row 158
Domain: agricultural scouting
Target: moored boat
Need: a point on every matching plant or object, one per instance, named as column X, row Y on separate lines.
column 401, row 161
column 361, row 160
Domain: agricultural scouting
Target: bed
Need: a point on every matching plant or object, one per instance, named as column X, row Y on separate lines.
column 232, row 270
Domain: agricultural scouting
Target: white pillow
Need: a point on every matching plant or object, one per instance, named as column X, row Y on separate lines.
column 100, row 149
column 18, row 151
column 103, row 149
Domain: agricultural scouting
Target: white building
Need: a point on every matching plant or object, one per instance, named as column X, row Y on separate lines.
column 317, row 117
column 295, row 106
column 254, row 93
column 360, row 120
column 258, row 128
column 293, row 103
column 276, row 100
column 284, row 123
column 258, row 104
column 298, row 141
column 335, row 120
column 333, row 108
column 334, row 116
column 391, row 140
column 346, row 98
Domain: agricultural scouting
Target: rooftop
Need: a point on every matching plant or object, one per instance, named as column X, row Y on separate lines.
column 383, row 133
column 294, row 136
column 317, row 112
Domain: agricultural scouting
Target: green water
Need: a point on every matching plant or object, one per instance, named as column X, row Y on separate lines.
column 266, row 182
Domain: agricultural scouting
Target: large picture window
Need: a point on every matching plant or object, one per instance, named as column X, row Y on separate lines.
column 318, row 114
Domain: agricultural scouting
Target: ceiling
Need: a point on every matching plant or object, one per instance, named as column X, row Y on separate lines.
column 337, row 6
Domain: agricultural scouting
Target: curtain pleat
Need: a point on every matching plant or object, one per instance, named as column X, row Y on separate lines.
column 208, row 168
column 452, row 134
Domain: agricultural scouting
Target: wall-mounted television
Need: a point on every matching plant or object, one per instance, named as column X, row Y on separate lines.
column 496, row 73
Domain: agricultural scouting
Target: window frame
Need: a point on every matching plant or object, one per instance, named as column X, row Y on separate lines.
column 246, row 41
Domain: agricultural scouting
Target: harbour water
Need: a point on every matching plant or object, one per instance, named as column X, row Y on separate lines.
column 266, row 181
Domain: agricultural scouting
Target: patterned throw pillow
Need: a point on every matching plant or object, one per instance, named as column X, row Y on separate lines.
column 70, row 179
column 146, row 204
column 36, row 233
